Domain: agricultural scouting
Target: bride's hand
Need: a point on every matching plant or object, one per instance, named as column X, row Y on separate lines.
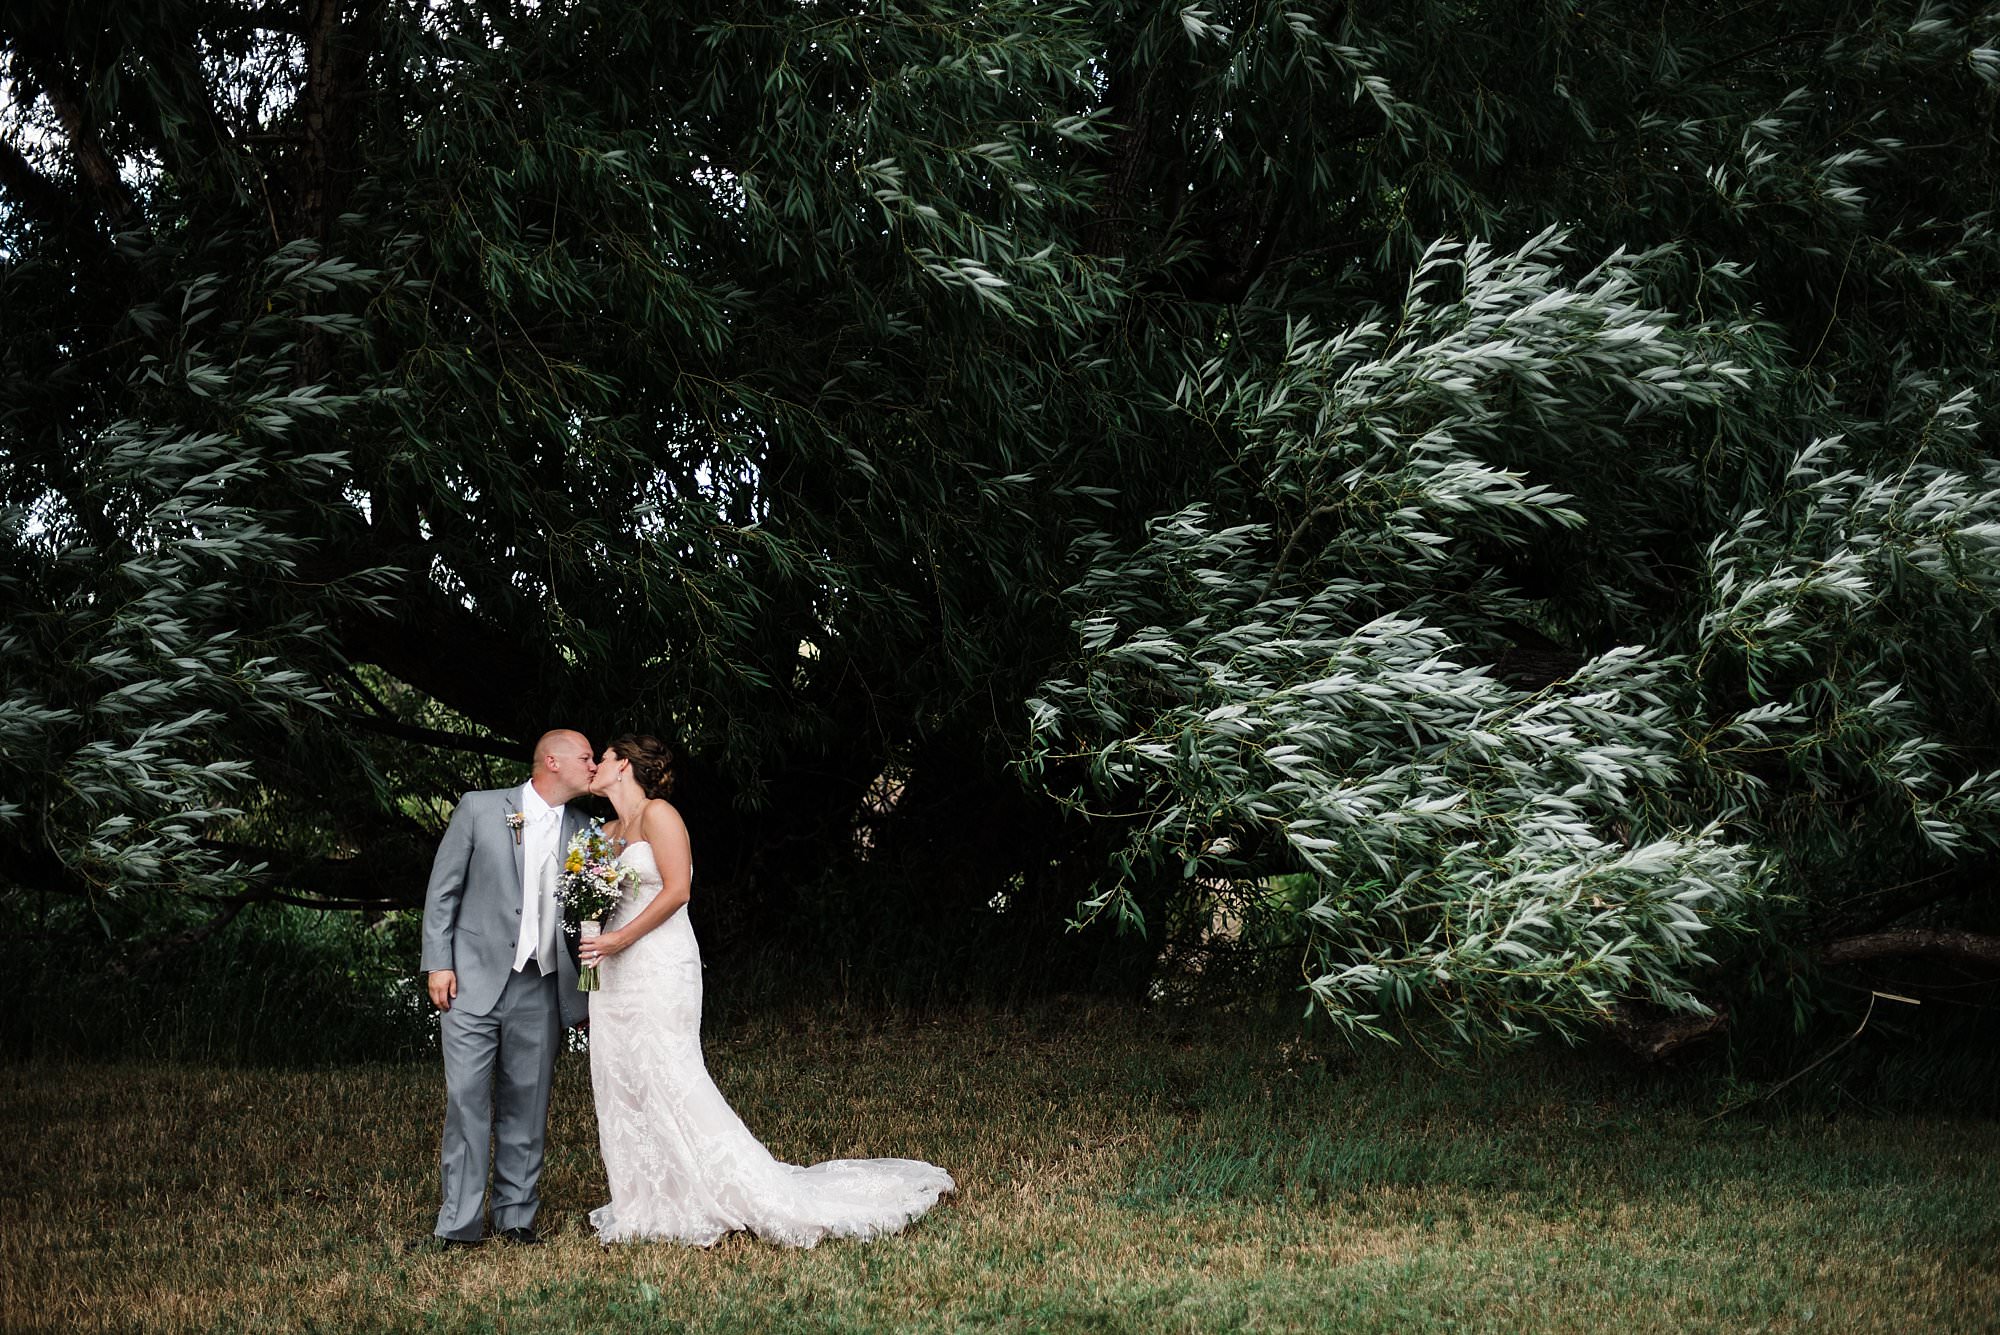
column 602, row 947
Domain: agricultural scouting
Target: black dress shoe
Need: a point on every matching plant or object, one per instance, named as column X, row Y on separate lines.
column 523, row 1236
column 432, row 1243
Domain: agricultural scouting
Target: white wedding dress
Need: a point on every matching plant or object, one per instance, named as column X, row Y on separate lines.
column 682, row 1165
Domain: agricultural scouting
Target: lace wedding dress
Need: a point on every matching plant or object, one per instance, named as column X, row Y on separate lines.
column 681, row 1163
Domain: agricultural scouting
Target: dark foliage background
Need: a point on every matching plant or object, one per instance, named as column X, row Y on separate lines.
column 1484, row 509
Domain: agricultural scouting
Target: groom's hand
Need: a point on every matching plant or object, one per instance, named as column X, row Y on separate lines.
column 444, row 988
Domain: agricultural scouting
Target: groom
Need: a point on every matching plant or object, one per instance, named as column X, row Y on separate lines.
column 504, row 984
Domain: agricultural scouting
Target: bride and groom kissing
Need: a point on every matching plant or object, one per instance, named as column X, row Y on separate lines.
column 680, row 1163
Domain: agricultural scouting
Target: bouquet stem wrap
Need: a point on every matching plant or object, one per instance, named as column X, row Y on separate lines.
column 586, row 977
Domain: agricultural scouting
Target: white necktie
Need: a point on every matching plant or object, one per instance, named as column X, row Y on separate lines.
column 545, row 946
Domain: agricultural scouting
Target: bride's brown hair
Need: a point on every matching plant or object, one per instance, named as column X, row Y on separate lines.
column 652, row 761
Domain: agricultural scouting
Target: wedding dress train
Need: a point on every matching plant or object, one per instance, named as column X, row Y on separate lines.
column 681, row 1164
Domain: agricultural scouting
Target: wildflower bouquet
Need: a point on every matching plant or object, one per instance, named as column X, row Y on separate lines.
column 593, row 880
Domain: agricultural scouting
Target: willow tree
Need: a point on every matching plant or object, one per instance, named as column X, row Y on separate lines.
column 469, row 368
column 1481, row 496
column 1599, row 550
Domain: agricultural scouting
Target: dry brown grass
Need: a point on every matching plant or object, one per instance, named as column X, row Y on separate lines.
column 1117, row 1172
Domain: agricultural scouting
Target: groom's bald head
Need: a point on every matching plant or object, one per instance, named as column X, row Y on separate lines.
column 563, row 764
column 558, row 741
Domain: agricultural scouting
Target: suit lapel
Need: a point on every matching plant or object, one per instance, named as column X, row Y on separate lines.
column 519, row 840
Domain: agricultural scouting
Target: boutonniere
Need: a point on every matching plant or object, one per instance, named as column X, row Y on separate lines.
column 515, row 820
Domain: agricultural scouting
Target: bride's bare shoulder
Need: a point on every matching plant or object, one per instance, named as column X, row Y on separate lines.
column 660, row 818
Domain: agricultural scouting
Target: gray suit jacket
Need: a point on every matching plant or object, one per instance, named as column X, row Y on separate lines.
column 472, row 910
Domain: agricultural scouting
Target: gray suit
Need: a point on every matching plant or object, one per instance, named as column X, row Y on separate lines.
column 501, row 1034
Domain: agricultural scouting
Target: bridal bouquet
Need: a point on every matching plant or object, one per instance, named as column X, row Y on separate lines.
column 593, row 880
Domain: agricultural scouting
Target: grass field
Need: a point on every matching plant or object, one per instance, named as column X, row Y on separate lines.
column 1118, row 1171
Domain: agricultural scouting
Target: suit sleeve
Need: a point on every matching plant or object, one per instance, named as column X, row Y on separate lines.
column 447, row 888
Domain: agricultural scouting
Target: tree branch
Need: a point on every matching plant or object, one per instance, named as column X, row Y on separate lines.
column 464, row 743
column 368, row 880
column 378, row 719
column 94, row 166
column 163, row 947
column 1652, row 1036
column 265, row 18
column 30, row 865
column 455, row 657
column 1738, row 57
column 39, row 197
column 1966, row 947
column 1228, row 281
column 230, row 909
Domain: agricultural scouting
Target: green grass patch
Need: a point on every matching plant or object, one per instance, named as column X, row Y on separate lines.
column 1118, row 1170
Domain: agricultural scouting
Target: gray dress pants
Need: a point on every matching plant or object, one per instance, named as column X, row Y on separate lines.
column 497, row 1072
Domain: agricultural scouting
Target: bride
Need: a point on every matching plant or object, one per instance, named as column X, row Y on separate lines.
column 681, row 1163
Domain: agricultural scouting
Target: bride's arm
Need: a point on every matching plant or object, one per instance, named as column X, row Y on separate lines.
column 662, row 828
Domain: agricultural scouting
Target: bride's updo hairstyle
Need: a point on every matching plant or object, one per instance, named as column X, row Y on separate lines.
column 652, row 761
